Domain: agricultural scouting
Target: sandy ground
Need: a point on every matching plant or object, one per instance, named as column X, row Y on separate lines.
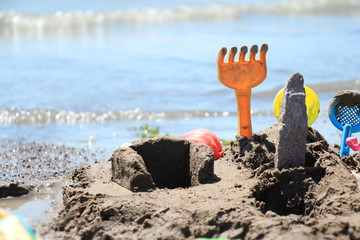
column 25, row 162
column 31, row 172
column 247, row 199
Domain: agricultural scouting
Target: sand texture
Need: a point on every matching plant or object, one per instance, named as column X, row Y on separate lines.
column 247, row 198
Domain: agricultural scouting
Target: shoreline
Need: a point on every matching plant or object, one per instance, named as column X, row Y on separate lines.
column 34, row 173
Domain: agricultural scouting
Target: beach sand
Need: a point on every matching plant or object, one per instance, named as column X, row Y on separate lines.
column 246, row 199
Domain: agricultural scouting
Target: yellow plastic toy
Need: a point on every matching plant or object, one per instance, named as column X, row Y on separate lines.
column 311, row 101
column 242, row 76
column 14, row 228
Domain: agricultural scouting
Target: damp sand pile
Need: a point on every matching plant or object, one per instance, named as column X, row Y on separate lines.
column 244, row 198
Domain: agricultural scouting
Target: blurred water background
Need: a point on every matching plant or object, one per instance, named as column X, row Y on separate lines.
column 98, row 70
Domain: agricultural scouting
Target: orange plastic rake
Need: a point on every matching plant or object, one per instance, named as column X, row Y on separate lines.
column 242, row 76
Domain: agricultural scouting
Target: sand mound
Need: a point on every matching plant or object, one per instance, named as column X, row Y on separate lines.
column 249, row 199
column 165, row 162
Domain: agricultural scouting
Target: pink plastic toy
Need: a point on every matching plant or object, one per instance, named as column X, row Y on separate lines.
column 207, row 137
column 353, row 143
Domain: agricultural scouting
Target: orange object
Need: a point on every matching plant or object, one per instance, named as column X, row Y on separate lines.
column 242, row 76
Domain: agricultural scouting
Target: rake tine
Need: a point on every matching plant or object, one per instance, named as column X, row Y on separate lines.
column 253, row 51
column 243, row 52
column 263, row 51
column 232, row 54
column 222, row 54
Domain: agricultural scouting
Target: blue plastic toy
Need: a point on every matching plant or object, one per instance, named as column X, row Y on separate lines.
column 344, row 113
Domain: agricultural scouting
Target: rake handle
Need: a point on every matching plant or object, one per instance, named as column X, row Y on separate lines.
column 243, row 111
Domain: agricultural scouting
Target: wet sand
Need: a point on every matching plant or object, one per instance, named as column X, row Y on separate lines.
column 32, row 172
column 24, row 161
column 247, row 199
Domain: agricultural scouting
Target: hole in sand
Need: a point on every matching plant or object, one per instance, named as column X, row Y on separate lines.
column 163, row 162
column 167, row 162
column 287, row 192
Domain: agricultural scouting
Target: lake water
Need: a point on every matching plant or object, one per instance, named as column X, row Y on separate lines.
column 101, row 69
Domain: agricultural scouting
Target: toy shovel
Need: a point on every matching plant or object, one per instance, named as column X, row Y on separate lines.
column 241, row 76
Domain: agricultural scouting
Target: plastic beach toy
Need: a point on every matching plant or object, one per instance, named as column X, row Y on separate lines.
column 311, row 101
column 207, row 137
column 344, row 113
column 14, row 227
column 352, row 142
column 241, row 76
